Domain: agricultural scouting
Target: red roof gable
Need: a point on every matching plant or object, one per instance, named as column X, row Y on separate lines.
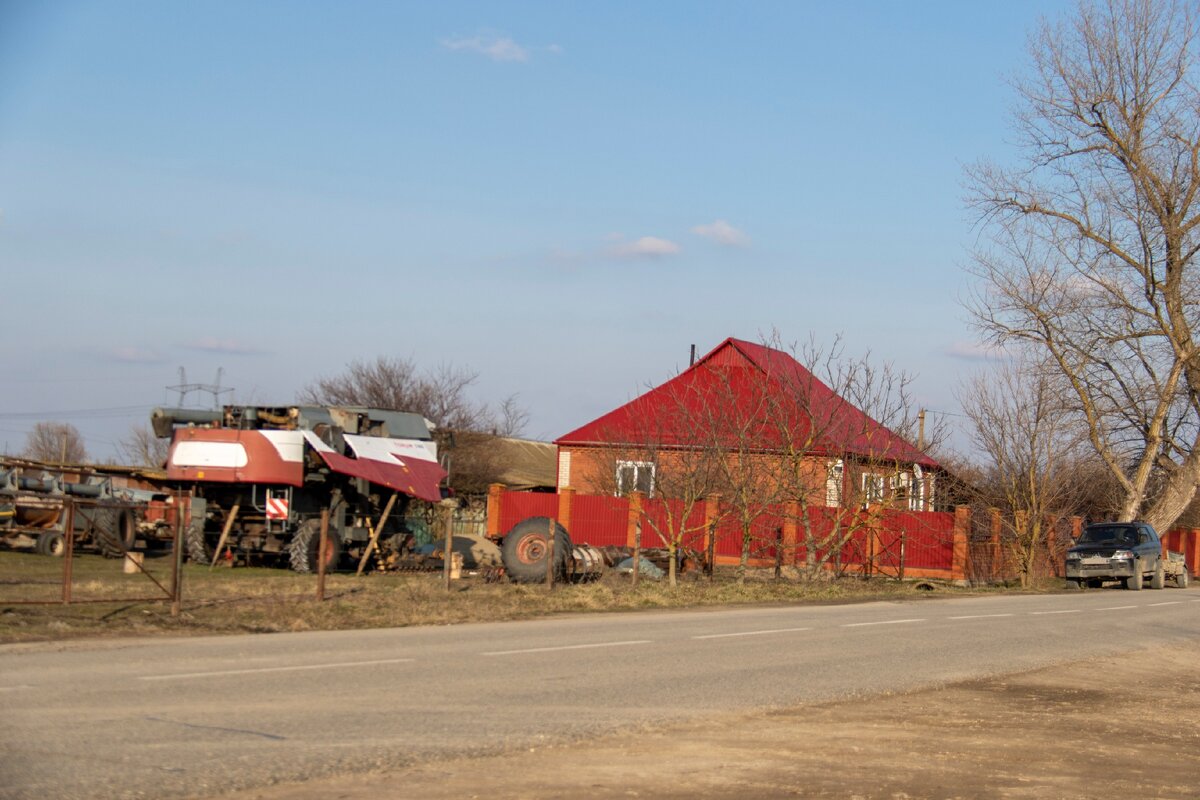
column 752, row 393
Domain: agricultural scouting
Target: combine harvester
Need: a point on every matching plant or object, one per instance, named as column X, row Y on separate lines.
column 267, row 474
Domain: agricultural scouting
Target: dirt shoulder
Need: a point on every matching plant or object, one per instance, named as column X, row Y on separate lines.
column 1115, row 727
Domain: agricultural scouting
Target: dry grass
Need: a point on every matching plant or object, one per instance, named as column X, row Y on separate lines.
column 268, row 600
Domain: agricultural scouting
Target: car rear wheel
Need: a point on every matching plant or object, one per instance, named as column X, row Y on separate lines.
column 1160, row 577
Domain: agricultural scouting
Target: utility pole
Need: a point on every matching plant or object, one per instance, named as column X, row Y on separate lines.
column 921, row 430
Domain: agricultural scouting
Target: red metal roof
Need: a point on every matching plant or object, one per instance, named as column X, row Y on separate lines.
column 749, row 393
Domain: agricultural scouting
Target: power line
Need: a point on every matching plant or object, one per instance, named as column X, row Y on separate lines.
column 78, row 413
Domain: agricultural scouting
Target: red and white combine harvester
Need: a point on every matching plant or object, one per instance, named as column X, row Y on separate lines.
column 268, row 473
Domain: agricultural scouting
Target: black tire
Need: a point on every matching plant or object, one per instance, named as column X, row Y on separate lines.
column 1076, row 584
column 1135, row 580
column 1160, row 577
column 114, row 531
column 306, row 541
column 195, row 545
column 524, row 550
column 52, row 543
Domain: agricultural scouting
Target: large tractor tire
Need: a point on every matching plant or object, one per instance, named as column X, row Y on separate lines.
column 305, row 544
column 524, row 550
column 195, row 545
column 113, row 531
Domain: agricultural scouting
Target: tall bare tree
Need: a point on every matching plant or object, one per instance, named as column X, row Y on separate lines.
column 55, row 442
column 1090, row 257
column 1036, row 455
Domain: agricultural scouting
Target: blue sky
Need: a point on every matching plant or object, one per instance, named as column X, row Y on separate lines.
column 560, row 196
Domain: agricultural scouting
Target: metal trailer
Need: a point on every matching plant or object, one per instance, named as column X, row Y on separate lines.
column 269, row 473
column 110, row 520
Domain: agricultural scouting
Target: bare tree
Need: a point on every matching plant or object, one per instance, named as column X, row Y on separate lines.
column 142, row 448
column 1090, row 258
column 834, row 438
column 442, row 395
column 670, row 456
column 1035, row 448
column 739, row 425
column 55, row 442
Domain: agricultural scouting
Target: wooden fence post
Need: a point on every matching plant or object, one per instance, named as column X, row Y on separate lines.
column 447, row 506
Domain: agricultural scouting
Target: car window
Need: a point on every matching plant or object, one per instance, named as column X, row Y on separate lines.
column 1108, row 534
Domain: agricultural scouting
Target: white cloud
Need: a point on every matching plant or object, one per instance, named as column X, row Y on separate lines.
column 135, row 355
column 973, row 351
column 722, row 232
column 646, row 247
column 497, row 48
column 211, row 344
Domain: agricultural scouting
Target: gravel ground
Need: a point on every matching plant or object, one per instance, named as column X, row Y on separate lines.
column 1115, row 727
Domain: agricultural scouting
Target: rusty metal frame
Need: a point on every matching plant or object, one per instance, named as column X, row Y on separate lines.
column 173, row 592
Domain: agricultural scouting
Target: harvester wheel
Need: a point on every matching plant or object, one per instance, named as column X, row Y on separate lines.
column 302, row 552
column 524, row 550
column 196, row 545
column 113, row 531
column 51, row 543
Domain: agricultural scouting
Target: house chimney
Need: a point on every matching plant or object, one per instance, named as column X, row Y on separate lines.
column 692, row 359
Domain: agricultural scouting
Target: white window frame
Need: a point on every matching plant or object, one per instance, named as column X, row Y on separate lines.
column 916, row 495
column 638, row 468
column 835, row 476
column 872, row 488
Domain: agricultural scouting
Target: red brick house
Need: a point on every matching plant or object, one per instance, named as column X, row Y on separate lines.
column 756, row 406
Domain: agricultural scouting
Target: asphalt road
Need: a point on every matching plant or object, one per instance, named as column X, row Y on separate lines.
column 200, row 716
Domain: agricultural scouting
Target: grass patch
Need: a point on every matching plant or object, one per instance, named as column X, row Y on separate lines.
column 246, row 599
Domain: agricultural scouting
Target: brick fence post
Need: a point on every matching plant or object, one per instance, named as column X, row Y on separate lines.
column 961, row 556
column 495, row 497
column 566, row 499
column 634, row 518
column 791, row 513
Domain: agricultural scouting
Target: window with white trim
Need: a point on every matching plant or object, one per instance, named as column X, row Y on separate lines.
column 635, row 476
column 916, row 497
column 872, row 488
column 900, row 485
column 834, row 473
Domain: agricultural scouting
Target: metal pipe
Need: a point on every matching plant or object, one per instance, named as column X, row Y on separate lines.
column 164, row 419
